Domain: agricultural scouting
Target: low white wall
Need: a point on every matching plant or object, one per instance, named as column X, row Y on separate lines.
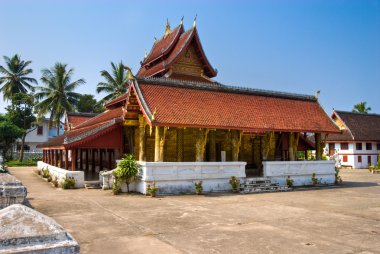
column 61, row 174
column 179, row 177
column 299, row 171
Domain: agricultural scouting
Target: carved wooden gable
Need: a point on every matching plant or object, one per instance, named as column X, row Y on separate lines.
column 188, row 63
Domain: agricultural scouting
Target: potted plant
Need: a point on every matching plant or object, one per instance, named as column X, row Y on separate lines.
column 314, row 180
column 234, row 182
column 198, row 187
column 127, row 170
column 116, row 187
column 289, row 182
column 152, row 189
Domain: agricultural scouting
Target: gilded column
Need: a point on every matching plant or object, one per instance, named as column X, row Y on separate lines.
column 180, row 136
column 142, row 141
column 212, row 145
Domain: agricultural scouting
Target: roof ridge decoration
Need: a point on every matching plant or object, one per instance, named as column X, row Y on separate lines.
column 356, row 113
column 345, row 125
column 218, row 87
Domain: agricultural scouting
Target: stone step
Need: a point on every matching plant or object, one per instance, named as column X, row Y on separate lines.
column 92, row 185
column 260, row 184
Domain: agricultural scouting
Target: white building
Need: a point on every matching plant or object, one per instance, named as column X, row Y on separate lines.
column 40, row 134
column 359, row 144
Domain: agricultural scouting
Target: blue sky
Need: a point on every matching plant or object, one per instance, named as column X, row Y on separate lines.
column 292, row 46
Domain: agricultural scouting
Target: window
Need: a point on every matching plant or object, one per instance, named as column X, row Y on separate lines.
column 368, row 146
column 40, row 130
column 359, row 146
column 344, row 158
column 360, row 158
column 343, row 146
column 378, row 146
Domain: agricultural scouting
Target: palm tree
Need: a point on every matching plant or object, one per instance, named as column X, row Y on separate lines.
column 361, row 108
column 15, row 77
column 57, row 96
column 115, row 84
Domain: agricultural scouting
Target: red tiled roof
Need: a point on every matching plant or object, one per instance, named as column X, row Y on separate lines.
column 200, row 107
column 103, row 117
column 179, row 48
column 164, row 45
column 78, row 118
column 117, row 100
column 361, row 127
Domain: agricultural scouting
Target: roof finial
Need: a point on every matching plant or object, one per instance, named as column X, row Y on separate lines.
column 145, row 54
column 195, row 20
column 317, row 94
column 167, row 28
column 129, row 73
column 181, row 22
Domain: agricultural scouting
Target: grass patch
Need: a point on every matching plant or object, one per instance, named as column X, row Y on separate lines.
column 21, row 164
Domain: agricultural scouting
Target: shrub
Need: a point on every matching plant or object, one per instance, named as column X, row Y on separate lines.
column 198, row 187
column 45, row 173
column 338, row 179
column 3, row 169
column 49, row 178
column 21, row 163
column 314, row 179
column 234, row 182
column 289, row 182
column 127, row 170
column 68, row 183
column 116, row 187
column 152, row 189
column 54, row 181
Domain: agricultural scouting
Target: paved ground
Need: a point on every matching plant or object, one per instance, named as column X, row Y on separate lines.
column 336, row 220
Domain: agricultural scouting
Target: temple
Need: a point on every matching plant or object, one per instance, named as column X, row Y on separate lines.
column 175, row 112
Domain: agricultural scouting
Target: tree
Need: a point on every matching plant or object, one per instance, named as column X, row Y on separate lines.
column 9, row 133
column 15, row 77
column 88, row 104
column 361, row 108
column 115, row 84
column 126, row 171
column 57, row 96
column 20, row 113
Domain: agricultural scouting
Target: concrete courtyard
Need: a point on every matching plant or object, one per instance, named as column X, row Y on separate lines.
column 343, row 219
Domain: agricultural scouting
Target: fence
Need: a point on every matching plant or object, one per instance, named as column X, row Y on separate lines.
column 36, row 156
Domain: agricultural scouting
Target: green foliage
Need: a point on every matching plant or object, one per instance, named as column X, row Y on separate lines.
column 115, row 84
column 314, row 179
column 54, row 181
column 57, row 95
column 361, row 107
column 21, row 163
column 116, row 187
column 68, row 183
column 9, row 133
column 127, row 170
column 3, row 169
column 198, row 187
column 234, row 182
column 338, row 179
column 87, row 104
column 14, row 77
column 289, row 182
column 152, row 189
column 45, row 173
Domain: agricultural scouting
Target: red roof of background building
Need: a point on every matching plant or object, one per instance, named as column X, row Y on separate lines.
column 117, row 101
column 74, row 119
column 202, row 106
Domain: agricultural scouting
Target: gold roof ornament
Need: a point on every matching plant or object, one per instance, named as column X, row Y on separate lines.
column 154, row 114
column 181, row 22
column 145, row 54
column 129, row 73
column 317, row 93
column 195, row 20
column 167, row 28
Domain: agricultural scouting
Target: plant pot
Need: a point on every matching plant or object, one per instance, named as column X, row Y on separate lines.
column 235, row 190
column 153, row 194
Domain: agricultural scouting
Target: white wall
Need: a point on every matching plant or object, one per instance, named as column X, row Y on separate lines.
column 300, row 171
column 61, row 174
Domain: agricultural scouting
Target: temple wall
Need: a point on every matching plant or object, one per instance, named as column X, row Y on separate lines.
column 299, row 171
column 61, row 173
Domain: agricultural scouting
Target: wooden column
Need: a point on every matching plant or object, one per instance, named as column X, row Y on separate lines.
column 200, row 144
column 142, row 140
column 93, row 160
column 318, row 148
column 55, row 158
column 66, row 159
column 159, row 143
column 43, row 155
column 87, row 165
column 212, row 145
column 61, row 158
column 109, row 159
column 74, row 159
column 180, row 136
column 291, row 146
column 235, row 141
column 100, row 159
column 80, row 159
